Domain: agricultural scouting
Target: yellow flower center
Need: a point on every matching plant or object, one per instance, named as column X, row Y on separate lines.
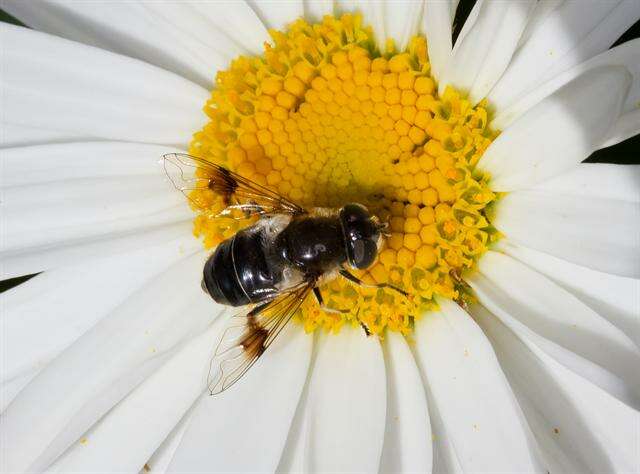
column 325, row 119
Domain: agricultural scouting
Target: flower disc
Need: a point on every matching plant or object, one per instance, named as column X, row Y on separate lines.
column 324, row 118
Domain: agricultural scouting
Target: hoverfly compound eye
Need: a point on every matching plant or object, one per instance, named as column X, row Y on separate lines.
column 361, row 235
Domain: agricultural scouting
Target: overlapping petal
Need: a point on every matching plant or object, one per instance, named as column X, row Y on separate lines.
column 10, row 389
column 627, row 126
column 538, row 16
column 402, row 19
column 398, row 21
column 626, row 55
column 147, row 415
column 565, row 36
column 612, row 297
column 187, row 38
column 253, row 416
column 346, row 389
column 47, row 258
column 159, row 462
column 597, row 180
column 41, row 164
column 55, row 213
column 509, row 289
column 66, row 302
column 111, row 96
column 559, row 132
column 59, row 198
column 407, row 443
column 578, row 427
column 101, row 367
column 481, row 56
column 480, row 417
column 437, row 24
column 276, row 14
column 597, row 233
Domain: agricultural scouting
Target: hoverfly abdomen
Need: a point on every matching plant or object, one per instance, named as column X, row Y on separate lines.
column 239, row 273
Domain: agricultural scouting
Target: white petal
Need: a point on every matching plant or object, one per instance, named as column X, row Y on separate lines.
column 277, row 14
column 398, row 20
column 47, row 258
column 402, row 18
column 373, row 14
column 509, row 289
column 612, row 297
column 445, row 457
column 350, row 6
column 570, row 34
column 437, row 27
column 407, row 445
column 559, row 132
column 470, row 22
column 597, row 180
column 626, row 55
column 173, row 36
column 579, row 427
column 315, row 10
column 594, row 232
column 627, row 126
column 340, row 424
column 57, row 213
column 482, row 56
column 253, row 416
column 66, row 161
column 20, row 134
column 596, row 374
column 102, row 366
column 538, row 16
column 47, row 313
column 80, row 202
column 159, row 462
column 237, row 20
column 479, row 413
column 147, row 415
column 74, row 90
column 10, row 389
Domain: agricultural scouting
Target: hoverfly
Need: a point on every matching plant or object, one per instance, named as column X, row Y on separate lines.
column 276, row 263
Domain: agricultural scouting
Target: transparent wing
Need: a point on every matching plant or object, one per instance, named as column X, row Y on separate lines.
column 188, row 173
column 250, row 334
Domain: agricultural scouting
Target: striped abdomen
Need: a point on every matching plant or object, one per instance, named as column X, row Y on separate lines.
column 238, row 272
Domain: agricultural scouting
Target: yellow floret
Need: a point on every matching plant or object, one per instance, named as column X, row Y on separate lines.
column 324, row 119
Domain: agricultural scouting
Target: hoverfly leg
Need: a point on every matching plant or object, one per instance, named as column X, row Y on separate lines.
column 318, row 295
column 354, row 279
column 365, row 328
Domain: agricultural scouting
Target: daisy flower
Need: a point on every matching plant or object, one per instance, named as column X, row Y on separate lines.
column 517, row 349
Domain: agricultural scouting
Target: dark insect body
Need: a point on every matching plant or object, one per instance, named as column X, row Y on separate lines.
column 277, row 253
column 273, row 265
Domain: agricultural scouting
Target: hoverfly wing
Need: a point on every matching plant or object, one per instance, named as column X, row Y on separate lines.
column 250, row 334
column 188, row 173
